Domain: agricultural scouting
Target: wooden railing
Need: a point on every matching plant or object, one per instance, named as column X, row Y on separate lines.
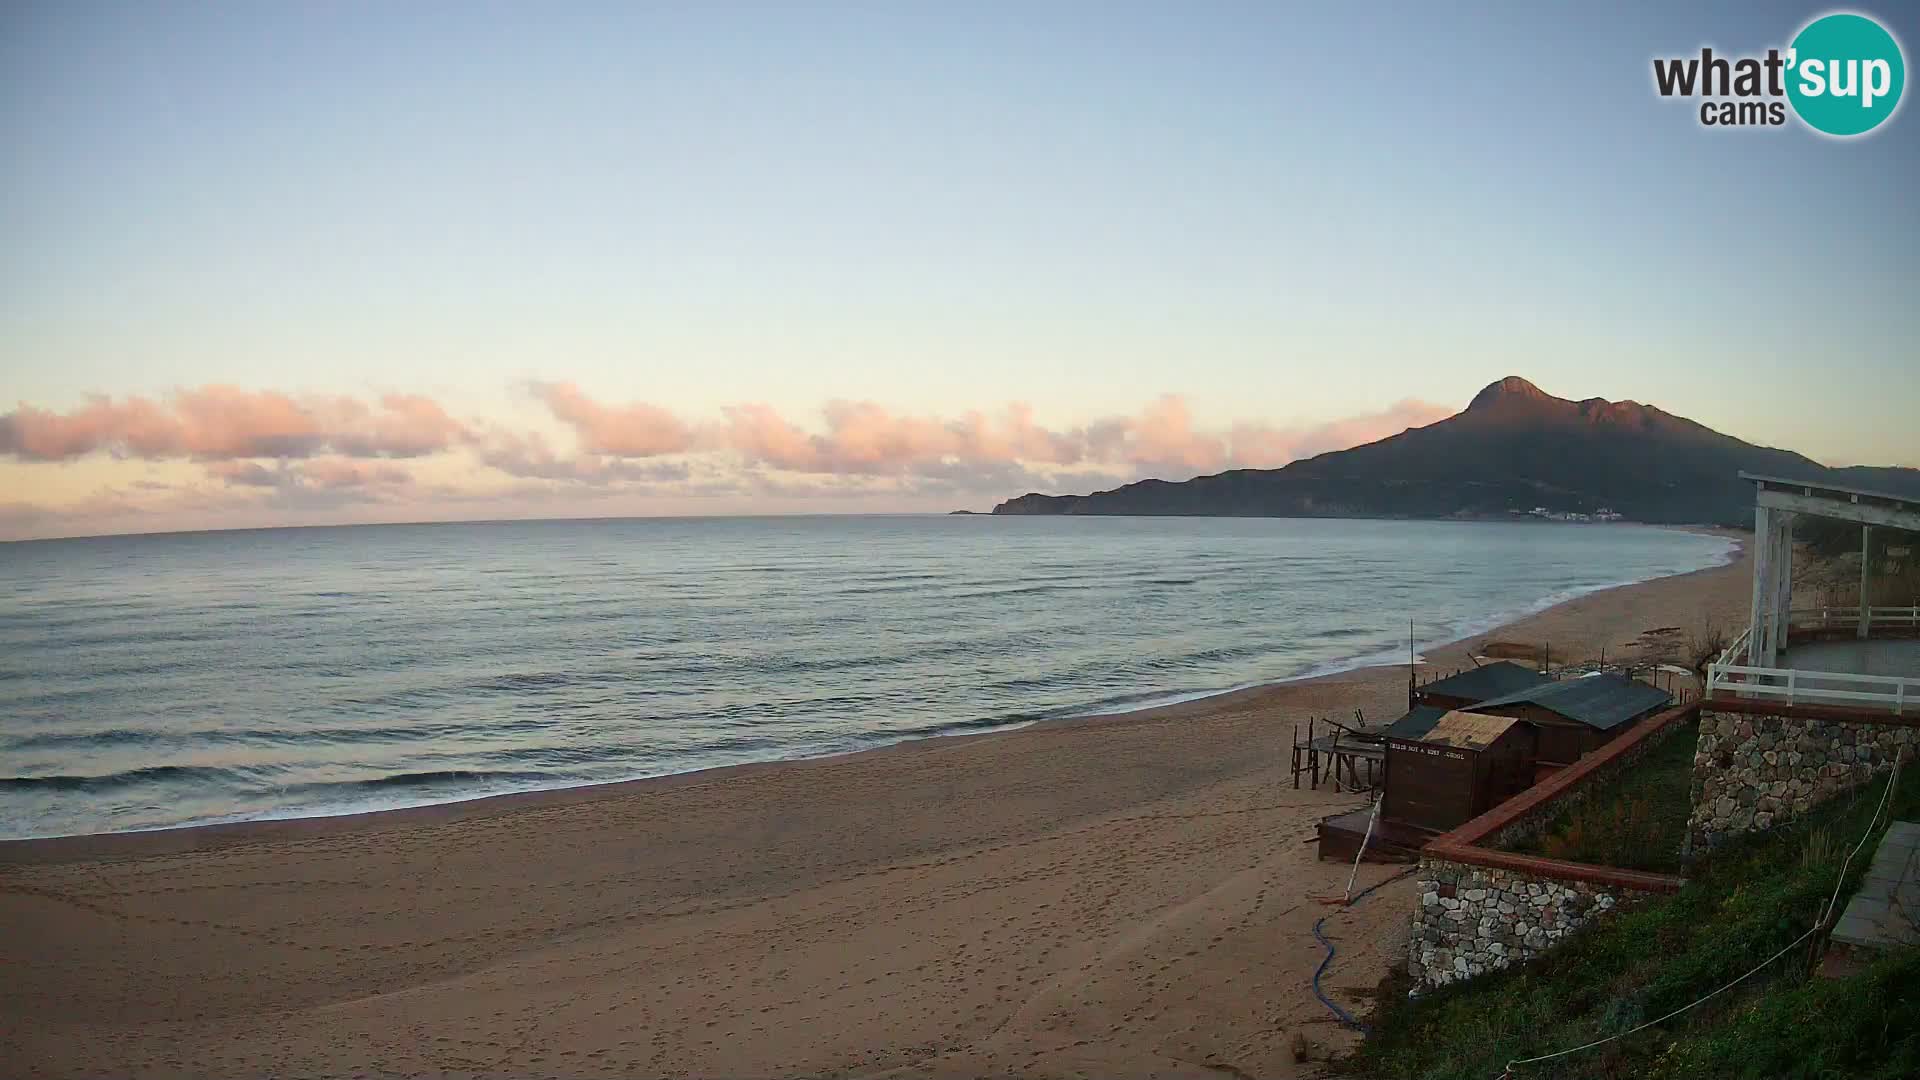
column 1729, row 674
column 1796, row 687
column 1834, row 618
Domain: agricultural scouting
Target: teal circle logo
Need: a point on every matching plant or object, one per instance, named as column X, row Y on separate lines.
column 1845, row 74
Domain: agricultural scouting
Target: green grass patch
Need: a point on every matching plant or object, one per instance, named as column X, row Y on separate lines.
column 1750, row 900
column 1635, row 820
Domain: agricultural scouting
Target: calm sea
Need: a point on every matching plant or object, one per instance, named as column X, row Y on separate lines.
column 166, row 680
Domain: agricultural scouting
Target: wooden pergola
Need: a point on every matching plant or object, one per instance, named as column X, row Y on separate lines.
column 1777, row 502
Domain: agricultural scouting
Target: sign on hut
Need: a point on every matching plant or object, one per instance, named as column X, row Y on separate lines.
column 1445, row 767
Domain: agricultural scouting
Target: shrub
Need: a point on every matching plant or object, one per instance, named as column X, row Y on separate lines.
column 1619, row 833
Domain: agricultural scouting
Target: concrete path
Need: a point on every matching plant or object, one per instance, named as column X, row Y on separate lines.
column 1886, row 910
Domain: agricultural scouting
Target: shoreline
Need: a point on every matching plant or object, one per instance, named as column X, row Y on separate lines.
column 203, row 835
column 1105, row 895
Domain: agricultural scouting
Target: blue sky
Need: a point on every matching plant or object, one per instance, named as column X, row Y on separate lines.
column 1285, row 216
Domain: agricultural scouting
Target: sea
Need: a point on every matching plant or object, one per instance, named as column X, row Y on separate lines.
column 182, row 679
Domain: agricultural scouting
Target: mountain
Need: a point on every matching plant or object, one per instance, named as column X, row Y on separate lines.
column 1515, row 447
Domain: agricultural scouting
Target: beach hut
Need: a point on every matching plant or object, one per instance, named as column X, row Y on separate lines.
column 1484, row 683
column 1445, row 767
column 1575, row 716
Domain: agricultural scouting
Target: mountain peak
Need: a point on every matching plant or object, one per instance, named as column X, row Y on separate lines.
column 1515, row 449
column 1510, row 388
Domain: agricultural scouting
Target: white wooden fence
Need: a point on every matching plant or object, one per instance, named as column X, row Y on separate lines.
column 1833, row 618
column 1795, row 686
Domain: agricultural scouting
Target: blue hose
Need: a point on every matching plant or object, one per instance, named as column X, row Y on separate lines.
column 1346, row 1018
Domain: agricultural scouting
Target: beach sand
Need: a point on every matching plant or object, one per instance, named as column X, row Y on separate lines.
column 1109, row 897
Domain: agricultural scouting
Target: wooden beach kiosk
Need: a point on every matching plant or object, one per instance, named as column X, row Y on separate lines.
column 1475, row 685
column 1476, row 738
column 1447, row 767
column 1396, row 838
column 1575, row 716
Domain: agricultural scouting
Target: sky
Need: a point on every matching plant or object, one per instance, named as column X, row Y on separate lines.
column 294, row 263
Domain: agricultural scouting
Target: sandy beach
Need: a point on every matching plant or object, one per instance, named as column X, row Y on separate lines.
column 1130, row 895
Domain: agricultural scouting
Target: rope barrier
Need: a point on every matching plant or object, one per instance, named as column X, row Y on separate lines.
column 1826, row 912
column 1371, row 818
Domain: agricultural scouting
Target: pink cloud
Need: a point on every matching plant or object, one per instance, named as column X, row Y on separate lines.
column 328, row 474
column 1013, row 436
column 1161, row 437
column 1260, row 446
column 269, row 456
column 637, row 430
column 760, row 434
column 336, row 474
column 531, row 456
column 405, row 425
column 244, row 474
column 216, row 423
column 862, row 438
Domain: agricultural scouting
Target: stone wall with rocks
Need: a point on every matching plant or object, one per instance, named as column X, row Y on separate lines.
column 1473, row 919
column 1752, row 771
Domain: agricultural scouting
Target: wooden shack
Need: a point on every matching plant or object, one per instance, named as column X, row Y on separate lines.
column 1471, row 687
column 1576, row 716
column 1446, row 767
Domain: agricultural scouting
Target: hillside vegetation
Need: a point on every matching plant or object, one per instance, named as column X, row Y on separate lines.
column 1748, row 902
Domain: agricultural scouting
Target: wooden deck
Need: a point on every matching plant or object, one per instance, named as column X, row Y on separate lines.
column 1393, row 841
column 1353, row 758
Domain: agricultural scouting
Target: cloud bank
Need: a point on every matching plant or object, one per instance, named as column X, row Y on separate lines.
column 226, row 448
column 224, row 423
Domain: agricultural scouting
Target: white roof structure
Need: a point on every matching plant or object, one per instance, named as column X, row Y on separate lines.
column 1833, row 501
column 1751, row 666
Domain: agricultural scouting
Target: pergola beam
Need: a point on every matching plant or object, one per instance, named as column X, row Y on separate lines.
column 1864, row 513
column 1866, row 602
column 1761, row 624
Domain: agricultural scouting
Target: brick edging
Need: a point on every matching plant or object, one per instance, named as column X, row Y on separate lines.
column 1557, row 869
column 1462, row 844
column 1513, row 809
column 1842, row 714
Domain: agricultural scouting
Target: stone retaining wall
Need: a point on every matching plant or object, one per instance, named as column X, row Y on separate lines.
column 1473, row 919
column 1482, row 908
column 1753, row 771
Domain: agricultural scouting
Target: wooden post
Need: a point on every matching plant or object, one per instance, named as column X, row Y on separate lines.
column 1313, row 754
column 1761, row 621
column 1784, row 581
column 1296, row 757
column 1866, row 534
